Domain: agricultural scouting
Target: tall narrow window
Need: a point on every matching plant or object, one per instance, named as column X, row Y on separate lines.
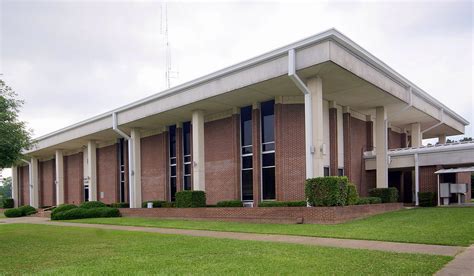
column 268, row 150
column 246, row 153
column 172, row 143
column 121, row 161
column 187, row 155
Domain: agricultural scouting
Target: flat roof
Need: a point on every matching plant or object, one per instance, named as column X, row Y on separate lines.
column 455, row 170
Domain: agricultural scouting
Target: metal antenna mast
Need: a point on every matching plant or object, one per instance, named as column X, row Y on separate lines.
column 168, row 71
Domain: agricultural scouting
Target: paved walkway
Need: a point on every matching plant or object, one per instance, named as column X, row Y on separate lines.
column 462, row 265
column 342, row 243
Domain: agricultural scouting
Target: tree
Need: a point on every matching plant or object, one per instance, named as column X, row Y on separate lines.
column 14, row 136
column 6, row 189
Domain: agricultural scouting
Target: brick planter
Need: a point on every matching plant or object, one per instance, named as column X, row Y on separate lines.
column 326, row 215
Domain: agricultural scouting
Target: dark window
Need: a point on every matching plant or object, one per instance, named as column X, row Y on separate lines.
column 86, row 193
column 247, row 152
column 121, row 166
column 268, row 149
column 172, row 149
column 340, row 172
column 187, row 155
column 326, row 171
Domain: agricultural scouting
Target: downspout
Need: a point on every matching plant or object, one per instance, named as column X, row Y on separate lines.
column 308, row 109
column 131, row 181
column 30, row 177
column 417, row 179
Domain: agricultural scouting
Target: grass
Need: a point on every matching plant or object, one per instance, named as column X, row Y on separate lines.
column 2, row 215
column 443, row 226
column 46, row 249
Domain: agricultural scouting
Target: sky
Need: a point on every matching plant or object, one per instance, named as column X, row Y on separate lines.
column 71, row 60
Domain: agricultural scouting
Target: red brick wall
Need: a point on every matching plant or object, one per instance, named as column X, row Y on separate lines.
column 465, row 178
column 358, row 137
column 73, row 178
column 153, row 161
column 394, row 139
column 290, row 151
column 107, row 174
column 47, row 187
column 24, row 185
column 222, row 182
column 428, row 179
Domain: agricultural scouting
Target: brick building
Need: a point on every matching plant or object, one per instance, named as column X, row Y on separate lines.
column 253, row 131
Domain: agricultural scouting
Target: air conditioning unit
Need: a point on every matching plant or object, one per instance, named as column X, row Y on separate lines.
column 248, row 203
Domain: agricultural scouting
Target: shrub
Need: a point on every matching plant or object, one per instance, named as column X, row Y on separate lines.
column 369, row 200
column 27, row 210
column 62, row 208
column 388, row 195
column 427, row 199
column 230, row 203
column 282, row 204
column 352, row 195
column 92, row 204
column 190, row 199
column 168, row 205
column 13, row 213
column 80, row 213
column 326, row 191
column 156, row 203
column 120, row 205
column 8, row 203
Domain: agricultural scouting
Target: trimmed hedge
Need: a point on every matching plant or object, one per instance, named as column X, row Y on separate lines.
column 368, row 200
column 190, row 199
column 119, row 205
column 92, row 204
column 282, row 204
column 8, row 203
column 388, row 195
column 352, row 195
column 80, row 213
column 13, row 213
column 230, row 203
column 327, row 191
column 27, row 210
column 156, row 203
column 427, row 199
column 62, row 208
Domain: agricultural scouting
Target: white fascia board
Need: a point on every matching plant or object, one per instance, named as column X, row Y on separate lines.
column 329, row 35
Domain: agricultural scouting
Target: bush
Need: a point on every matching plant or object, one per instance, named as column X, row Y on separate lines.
column 62, row 208
column 352, row 195
column 326, row 191
column 230, row 203
column 168, row 205
column 190, row 199
column 81, row 213
column 27, row 210
column 8, row 203
column 156, row 204
column 427, row 199
column 388, row 195
column 92, row 204
column 120, row 205
column 369, row 200
column 282, row 204
column 13, row 213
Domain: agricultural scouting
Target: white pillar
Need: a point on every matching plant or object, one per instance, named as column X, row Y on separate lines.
column 198, row 151
column 315, row 86
column 442, row 139
column 59, row 177
column 135, row 166
column 15, row 186
column 34, row 183
column 92, row 170
column 416, row 135
column 382, row 147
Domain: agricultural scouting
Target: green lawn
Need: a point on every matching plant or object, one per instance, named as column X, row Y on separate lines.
column 47, row 249
column 2, row 215
column 445, row 226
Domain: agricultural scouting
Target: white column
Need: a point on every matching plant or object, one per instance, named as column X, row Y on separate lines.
column 315, row 86
column 34, row 183
column 382, row 147
column 416, row 135
column 198, row 151
column 92, row 169
column 442, row 139
column 59, row 177
column 15, row 186
column 135, row 166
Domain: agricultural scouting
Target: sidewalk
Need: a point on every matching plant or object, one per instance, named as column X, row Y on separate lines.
column 331, row 242
column 462, row 265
